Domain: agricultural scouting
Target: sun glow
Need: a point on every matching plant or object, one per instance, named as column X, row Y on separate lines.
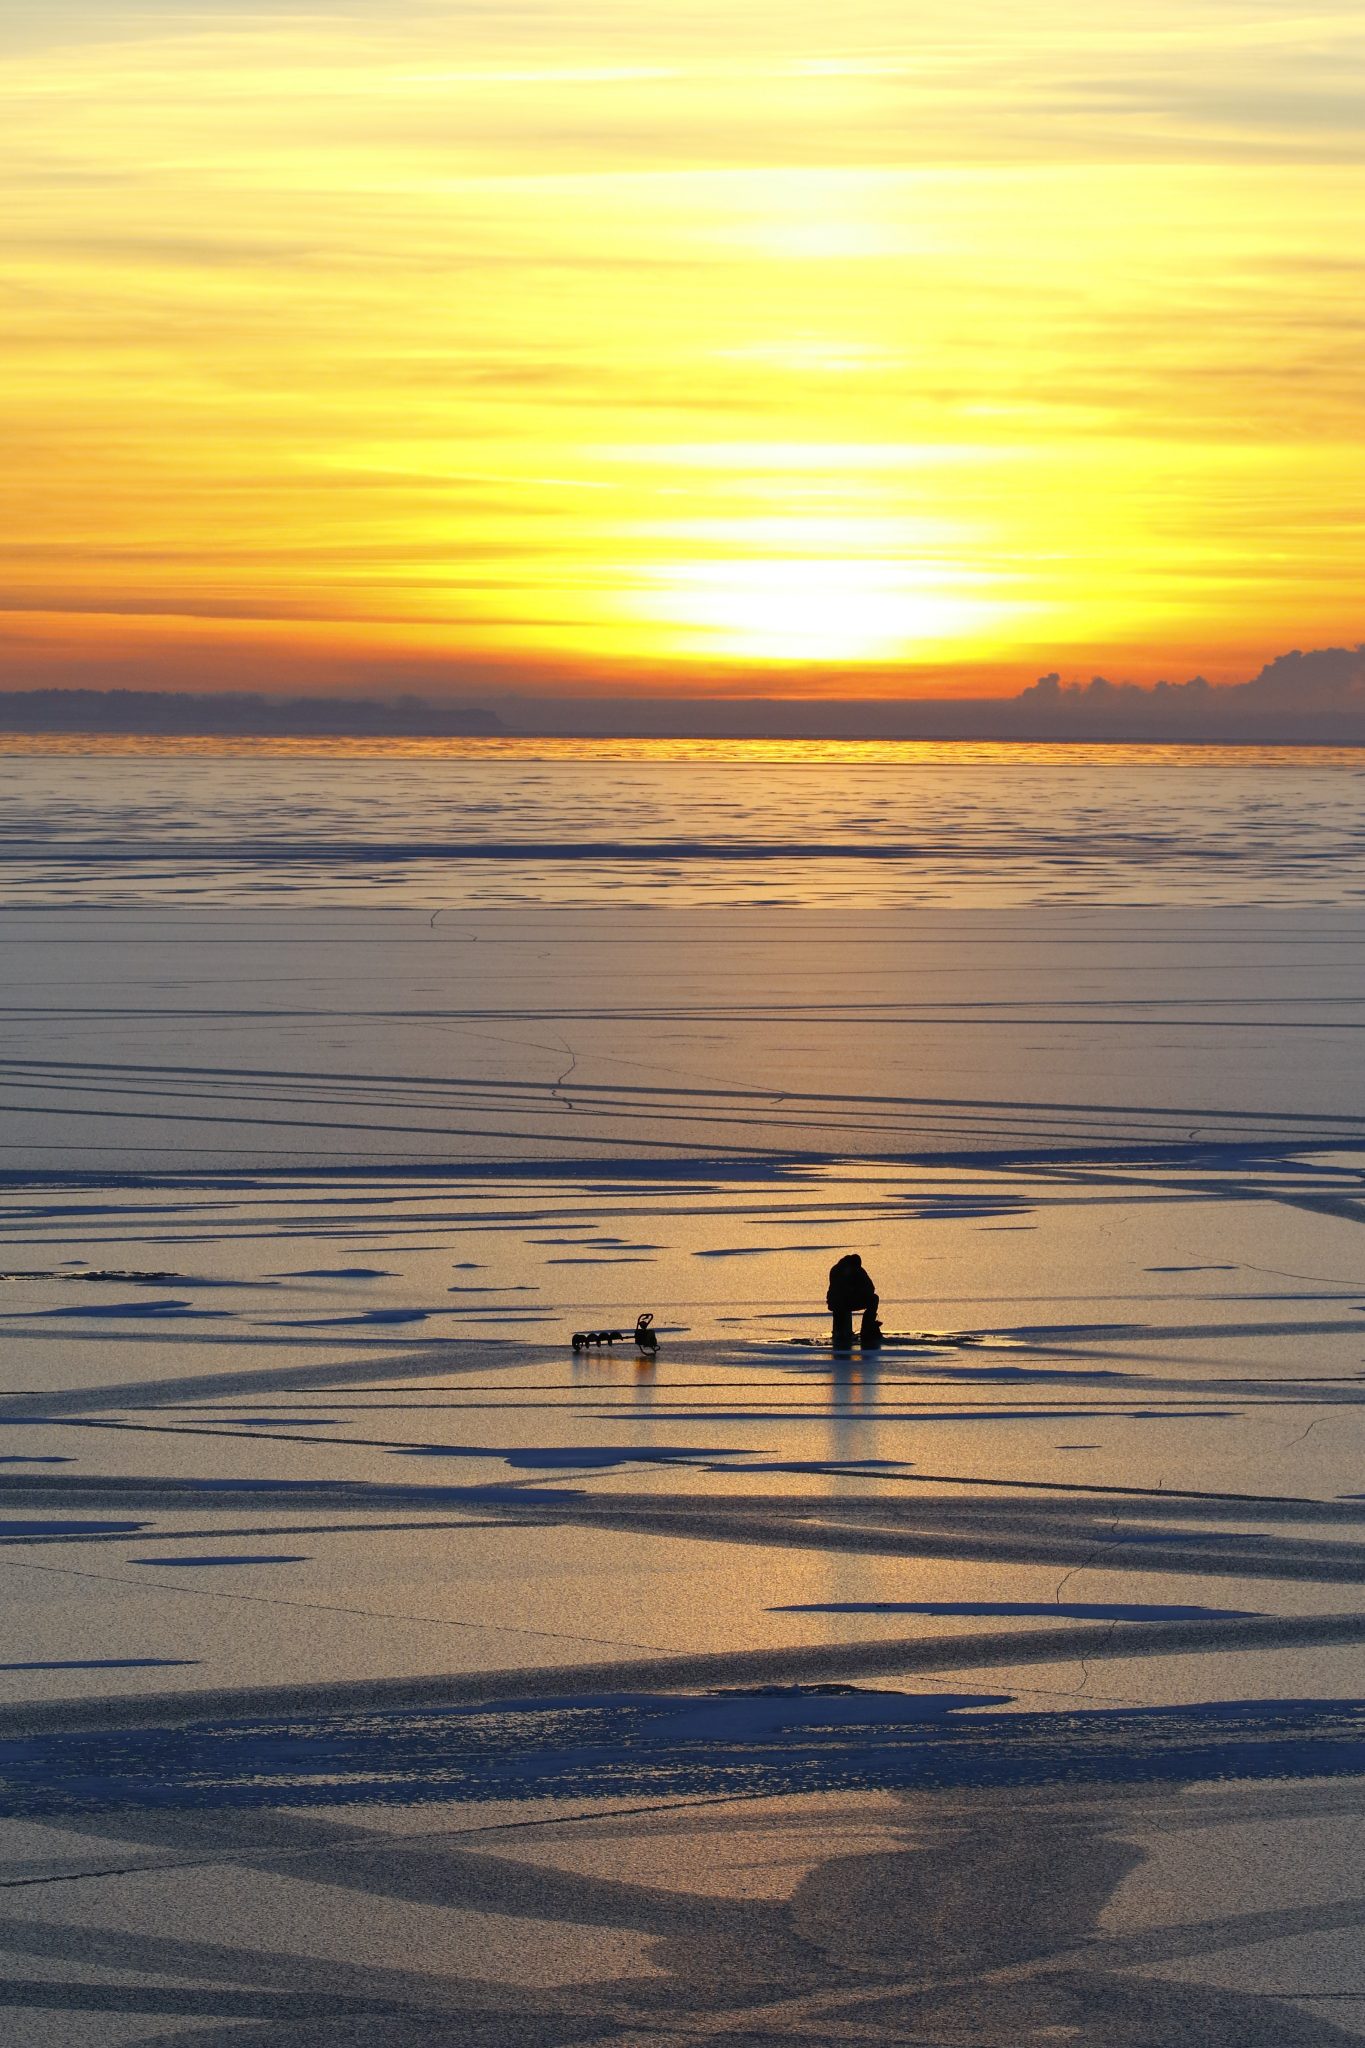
column 811, row 610
column 348, row 346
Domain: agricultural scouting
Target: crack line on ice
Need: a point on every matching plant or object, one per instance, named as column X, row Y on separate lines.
column 381, row 1838
column 329, row 1607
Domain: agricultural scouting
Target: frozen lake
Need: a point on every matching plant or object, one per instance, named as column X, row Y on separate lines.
column 379, row 1669
column 825, row 826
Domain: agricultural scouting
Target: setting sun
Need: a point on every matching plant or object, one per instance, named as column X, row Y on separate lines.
column 797, row 609
column 350, row 345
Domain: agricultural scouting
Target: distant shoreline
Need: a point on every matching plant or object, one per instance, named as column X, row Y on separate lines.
column 1067, row 718
column 1298, row 699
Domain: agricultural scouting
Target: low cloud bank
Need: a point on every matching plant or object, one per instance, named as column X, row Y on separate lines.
column 1297, row 699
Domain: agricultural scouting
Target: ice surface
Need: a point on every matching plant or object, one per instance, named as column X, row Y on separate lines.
column 378, row 1669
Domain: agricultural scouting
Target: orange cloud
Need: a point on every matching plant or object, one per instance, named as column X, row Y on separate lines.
column 875, row 352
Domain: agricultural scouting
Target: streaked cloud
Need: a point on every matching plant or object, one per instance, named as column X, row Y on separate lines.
column 544, row 332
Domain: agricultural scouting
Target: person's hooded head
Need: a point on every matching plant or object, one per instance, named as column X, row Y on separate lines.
column 849, row 1286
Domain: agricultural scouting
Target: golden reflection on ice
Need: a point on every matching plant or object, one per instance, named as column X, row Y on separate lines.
column 521, row 747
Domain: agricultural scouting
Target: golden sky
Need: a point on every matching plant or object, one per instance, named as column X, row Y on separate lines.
column 894, row 347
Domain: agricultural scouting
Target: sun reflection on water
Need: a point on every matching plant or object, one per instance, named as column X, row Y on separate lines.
column 521, row 747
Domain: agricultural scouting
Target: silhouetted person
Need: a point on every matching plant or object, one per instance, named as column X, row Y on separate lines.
column 850, row 1288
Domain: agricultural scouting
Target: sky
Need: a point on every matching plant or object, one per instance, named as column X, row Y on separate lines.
column 890, row 349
